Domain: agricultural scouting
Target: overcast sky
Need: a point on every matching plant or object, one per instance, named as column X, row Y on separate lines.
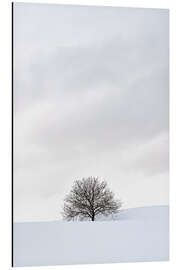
column 91, row 99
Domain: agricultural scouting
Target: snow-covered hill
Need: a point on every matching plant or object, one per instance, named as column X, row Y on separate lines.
column 138, row 234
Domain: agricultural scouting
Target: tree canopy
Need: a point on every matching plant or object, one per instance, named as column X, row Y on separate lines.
column 89, row 198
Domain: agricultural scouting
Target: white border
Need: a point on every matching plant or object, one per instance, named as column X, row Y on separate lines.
column 5, row 133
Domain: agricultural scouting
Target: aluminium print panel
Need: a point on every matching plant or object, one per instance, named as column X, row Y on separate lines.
column 90, row 134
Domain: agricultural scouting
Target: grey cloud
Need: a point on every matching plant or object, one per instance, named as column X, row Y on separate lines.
column 91, row 98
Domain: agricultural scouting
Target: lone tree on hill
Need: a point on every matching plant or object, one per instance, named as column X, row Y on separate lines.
column 89, row 198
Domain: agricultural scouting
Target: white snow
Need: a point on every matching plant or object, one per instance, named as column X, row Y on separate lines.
column 139, row 234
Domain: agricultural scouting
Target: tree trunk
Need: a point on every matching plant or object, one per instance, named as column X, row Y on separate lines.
column 92, row 217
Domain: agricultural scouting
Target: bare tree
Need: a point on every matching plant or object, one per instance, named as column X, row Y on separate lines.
column 89, row 198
